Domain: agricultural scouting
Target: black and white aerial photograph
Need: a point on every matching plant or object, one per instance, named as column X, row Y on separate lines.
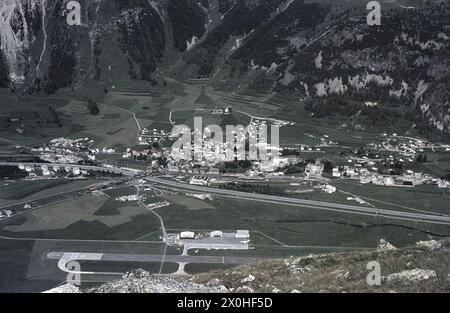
column 236, row 148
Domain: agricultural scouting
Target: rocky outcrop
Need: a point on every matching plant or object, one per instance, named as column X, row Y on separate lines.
column 410, row 276
column 64, row 289
column 430, row 245
column 140, row 281
column 40, row 51
column 384, row 246
column 20, row 22
column 411, row 269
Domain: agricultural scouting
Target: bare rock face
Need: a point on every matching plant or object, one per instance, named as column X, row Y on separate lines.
column 432, row 245
column 140, row 281
column 385, row 246
column 301, row 265
column 273, row 45
column 249, row 279
column 411, row 276
column 64, row 289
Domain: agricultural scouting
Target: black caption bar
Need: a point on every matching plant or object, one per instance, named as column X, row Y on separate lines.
column 219, row 303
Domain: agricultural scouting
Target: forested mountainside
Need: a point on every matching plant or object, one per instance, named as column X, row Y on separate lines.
column 323, row 51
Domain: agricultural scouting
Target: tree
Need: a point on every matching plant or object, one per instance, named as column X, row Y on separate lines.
column 422, row 158
column 328, row 166
column 93, row 107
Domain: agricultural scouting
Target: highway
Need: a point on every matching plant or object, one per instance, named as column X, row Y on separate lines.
column 318, row 205
column 19, row 207
column 431, row 218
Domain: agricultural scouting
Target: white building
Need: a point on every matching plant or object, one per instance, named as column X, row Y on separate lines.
column 187, row 235
column 388, row 181
column 329, row 189
column 350, row 172
column 243, row 234
column 314, row 169
column 216, row 234
column 128, row 198
column 199, row 181
column 173, row 168
column 336, row 172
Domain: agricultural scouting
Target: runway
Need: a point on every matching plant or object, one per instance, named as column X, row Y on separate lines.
column 148, row 258
column 65, row 258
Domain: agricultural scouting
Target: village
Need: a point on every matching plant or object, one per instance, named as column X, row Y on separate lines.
column 385, row 164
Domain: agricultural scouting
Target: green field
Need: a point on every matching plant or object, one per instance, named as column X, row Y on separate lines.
column 89, row 218
column 21, row 189
column 297, row 226
column 25, row 190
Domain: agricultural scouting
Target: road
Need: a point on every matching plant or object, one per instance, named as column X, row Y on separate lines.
column 318, row 205
column 148, row 258
column 133, row 114
column 19, row 207
column 163, row 228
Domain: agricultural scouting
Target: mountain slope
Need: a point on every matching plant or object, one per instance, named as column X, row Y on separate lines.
column 423, row 268
column 320, row 50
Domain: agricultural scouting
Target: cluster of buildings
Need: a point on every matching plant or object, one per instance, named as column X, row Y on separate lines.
column 222, row 111
column 141, row 154
column 67, row 151
column 314, row 170
column 307, row 148
column 152, row 136
column 71, row 151
column 215, row 240
column 187, row 168
column 251, row 143
column 49, row 170
column 326, row 142
column 407, row 179
column 199, row 180
column 409, row 146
